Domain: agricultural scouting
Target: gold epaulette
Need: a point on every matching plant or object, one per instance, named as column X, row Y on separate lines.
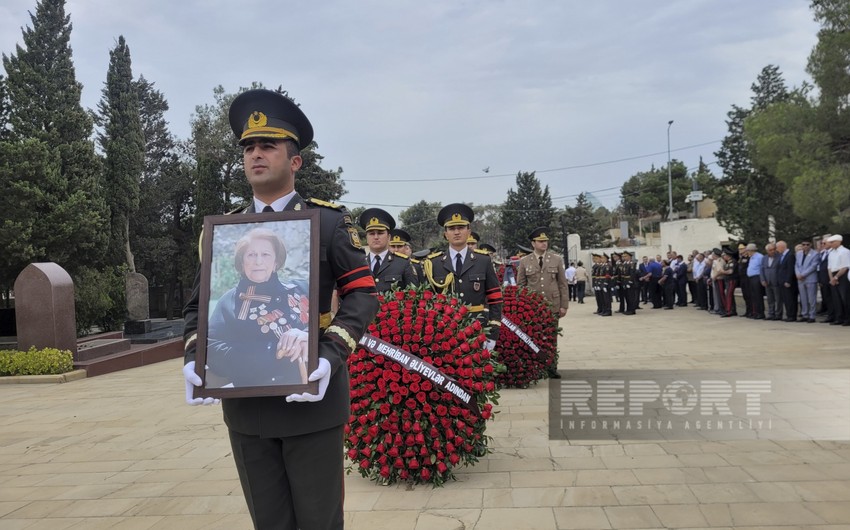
column 400, row 255
column 479, row 251
column 435, row 254
column 414, row 260
column 326, row 204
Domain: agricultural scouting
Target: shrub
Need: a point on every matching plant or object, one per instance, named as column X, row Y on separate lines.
column 35, row 362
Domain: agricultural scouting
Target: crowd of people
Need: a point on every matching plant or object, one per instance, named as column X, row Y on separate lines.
column 776, row 282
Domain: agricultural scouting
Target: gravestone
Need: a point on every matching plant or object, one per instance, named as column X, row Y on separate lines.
column 138, row 304
column 44, row 308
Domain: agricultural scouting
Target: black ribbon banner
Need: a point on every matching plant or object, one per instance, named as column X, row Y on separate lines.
column 412, row 363
column 521, row 335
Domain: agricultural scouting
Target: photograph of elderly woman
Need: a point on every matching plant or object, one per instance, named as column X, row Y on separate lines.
column 259, row 307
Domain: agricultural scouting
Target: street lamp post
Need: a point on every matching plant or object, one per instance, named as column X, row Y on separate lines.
column 669, row 173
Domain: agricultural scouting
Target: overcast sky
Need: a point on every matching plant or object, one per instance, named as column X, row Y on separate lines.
column 402, row 91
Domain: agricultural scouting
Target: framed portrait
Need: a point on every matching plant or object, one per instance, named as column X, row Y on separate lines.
column 258, row 313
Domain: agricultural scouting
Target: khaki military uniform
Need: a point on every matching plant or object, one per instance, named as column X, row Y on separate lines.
column 549, row 280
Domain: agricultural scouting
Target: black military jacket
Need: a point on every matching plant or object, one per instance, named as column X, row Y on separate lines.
column 395, row 270
column 477, row 285
column 342, row 266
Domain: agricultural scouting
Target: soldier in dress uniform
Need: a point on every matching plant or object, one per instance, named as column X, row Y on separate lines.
column 629, row 281
column 288, row 450
column 606, row 273
column 400, row 242
column 489, row 249
column 464, row 273
column 416, row 262
column 543, row 272
column 596, row 282
column 617, row 281
column 472, row 240
column 390, row 269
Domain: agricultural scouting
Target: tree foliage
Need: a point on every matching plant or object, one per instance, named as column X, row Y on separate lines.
column 749, row 194
column 580, row 219
column 525, row 209
column 646, row 192
column 123, row 144
column 48, row 161
column 420, row 221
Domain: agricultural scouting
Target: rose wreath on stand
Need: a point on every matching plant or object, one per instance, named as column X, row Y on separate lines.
column 422, row 390
column 528, row 323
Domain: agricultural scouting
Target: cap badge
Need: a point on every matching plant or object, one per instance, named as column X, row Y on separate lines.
column 257, row 119
column 456, row 217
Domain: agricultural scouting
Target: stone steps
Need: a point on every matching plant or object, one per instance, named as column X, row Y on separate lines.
column 137, row 355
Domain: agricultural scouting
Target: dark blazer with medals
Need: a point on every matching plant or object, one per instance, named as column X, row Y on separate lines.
column 477, row 285
column 395, row 269
column 342, row 266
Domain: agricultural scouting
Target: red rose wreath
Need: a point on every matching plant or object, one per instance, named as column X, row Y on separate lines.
column 409, row 423
column 533, row 318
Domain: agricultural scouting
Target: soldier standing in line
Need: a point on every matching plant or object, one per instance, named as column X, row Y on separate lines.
column 464, row 273
column 400, row 242
column 388, row 268
column 472, row 240
column 629, row 281
column 543, row 272
column 596, row 281
column 617, row 280
column 605, row 280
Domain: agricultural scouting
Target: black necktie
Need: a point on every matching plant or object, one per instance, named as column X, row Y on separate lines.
column 804, row 260
column 377, row 265
column 268, row 209
column 540, row 262
column 458, row 263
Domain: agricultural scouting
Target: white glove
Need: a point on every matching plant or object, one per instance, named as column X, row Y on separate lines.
column 322, row 374
column 192, row 380
column 490, row 344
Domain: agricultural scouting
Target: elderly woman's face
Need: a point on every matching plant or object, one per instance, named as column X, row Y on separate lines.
column 259, row 261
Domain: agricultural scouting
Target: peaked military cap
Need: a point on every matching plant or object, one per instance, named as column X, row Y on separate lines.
column 473, row 238
column 455, row 214
column 487, row 247
column 539, row 234
column 421, row 254
column 376, row 219
column 262, row 113
column 399, row 237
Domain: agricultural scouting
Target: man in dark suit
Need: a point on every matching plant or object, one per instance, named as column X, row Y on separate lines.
column 389, row 268
column 787, row 279
column 681, row 275
column 288, row 450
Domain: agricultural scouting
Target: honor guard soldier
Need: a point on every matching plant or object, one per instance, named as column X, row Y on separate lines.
column 390, row 269
column 616, row 281
column 400, row 242
column 629, row 282
column 464, row 273
column 543, row 272
column 472, row 240
column 489, row 249
column 597, row 281
column 287, row 449
column 606, row 274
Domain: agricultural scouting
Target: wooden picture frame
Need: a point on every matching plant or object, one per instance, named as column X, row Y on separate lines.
column 258, row 312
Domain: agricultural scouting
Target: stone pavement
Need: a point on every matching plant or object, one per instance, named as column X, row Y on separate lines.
column 122, row 451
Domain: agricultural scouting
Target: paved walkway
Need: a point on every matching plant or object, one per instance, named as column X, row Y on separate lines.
column 122, row 451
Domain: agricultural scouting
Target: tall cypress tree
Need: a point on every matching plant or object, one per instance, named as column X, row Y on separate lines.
column 524, row 210
column 123, row 143
column 44, row 103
